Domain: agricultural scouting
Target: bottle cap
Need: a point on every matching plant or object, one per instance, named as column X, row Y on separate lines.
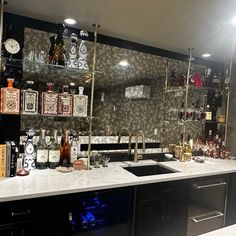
column 81, row 90
column 10, row 82
column 50, row 86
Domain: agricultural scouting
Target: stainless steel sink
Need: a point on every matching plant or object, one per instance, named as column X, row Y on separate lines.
column 149, row 170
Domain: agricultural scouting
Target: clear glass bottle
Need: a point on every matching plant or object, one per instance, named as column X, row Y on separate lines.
column 42, row 152
column 65, row 150
column 29, row 152
column 54, row 152
column 29, row 99
column 49, row 101
column 65, row 102
column 10, row 98
column 80, row 103
column 74, row 149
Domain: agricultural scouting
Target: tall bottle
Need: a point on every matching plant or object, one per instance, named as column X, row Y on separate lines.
column 65, row 102
column 181, row 113
column 49, row 101
column 65, row 150
column 208, row 113
column 54, row 152
column 29, row 99
column 80, row 103
column 42, row 152
column 10, row 98
column 29, row 151
column 74, row 149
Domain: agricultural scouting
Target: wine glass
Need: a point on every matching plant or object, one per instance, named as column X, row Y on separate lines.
column 104, row 161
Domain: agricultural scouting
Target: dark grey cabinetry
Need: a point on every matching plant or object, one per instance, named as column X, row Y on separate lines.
column 207, row 203
column 161, row 209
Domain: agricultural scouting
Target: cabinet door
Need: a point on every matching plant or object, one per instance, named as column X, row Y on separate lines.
column 164, row 217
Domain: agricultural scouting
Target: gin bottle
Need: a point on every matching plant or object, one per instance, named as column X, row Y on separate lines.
column 10, row 98
column 80, row 103
column 74, row 148
column 65, row 102
column 42, row 152
column 54, row 152
column 29, row 152
column 49, row 101
column 29, row 99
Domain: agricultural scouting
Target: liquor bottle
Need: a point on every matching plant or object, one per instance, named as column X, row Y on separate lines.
column 74, row 148
column 208, row 113
column 54, row 152
column 49, row 101
column 198, row 111
column 65, row 102
column 80, row 103
column 42, row 152
column 181, row 112
column 29, row 152
column 29, row 99
column 10, row 98
column 65, row 150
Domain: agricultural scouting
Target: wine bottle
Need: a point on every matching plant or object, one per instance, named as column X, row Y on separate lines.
column 42, row 152
column 74, row 147
column 65, row 150
column 54, row 152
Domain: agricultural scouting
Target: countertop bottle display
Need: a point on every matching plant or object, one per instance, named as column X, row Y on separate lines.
column 29, row 99
column 54, row 152
column 29, row 152
column 65, row 150
column 49, row 101
column 42, row 152
column 65, row 102
column 80, row 103
column 10, row 98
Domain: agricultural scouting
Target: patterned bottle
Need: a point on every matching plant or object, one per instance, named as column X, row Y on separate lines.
column 49, row 101
column 80, row 104
column 29, row 152
column 65, row 102
column 10, row 99
column 29, row 99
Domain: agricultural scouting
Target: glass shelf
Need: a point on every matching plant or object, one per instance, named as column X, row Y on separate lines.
column 178, row 89
column 47, row 69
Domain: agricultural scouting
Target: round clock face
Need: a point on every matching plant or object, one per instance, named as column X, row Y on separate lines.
column 12, row 46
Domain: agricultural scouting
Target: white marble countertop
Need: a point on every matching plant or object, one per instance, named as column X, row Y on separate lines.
column 226, row 231
column 51, row 182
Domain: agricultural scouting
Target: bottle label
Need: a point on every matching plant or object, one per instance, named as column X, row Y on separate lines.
column 208, row 115
column 42, row 155
column 80, row 105
column 49, row 103
column 73, row 154
column 54, row 156
column 10, row 101
column 30, row 100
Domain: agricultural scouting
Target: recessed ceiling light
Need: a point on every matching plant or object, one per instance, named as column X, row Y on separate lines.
column 70, row 21
column 123, row 63
column 206, row 55
column 233, row 20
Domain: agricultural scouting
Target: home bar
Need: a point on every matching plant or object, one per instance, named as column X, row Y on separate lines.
column 117, row 124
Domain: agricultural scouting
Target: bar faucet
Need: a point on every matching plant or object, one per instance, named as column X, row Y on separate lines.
column 136, row 156
column 129, row 134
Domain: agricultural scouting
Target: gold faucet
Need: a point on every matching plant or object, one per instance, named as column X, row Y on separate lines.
column 129, row 134
column 136, row 156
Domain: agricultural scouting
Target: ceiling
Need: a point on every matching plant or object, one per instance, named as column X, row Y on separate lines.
column 169, row 24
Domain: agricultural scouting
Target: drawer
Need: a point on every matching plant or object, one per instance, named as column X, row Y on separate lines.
column 203, row 223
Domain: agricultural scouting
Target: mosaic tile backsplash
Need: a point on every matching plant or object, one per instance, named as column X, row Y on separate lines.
column 156, row 116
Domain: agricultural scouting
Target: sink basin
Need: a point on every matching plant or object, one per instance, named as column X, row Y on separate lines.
column 148, row 170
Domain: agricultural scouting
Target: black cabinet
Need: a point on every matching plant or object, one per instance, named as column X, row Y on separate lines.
column 231, row 201
column 161, row 209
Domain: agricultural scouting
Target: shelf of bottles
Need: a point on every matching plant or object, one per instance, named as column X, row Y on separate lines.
column 26, row 102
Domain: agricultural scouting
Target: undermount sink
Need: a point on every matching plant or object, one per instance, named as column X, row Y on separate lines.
column 149, row 170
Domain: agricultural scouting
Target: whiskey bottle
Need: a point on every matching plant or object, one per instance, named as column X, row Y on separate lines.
column 54, row 152
column 29, row 99
column 10, row 99
column 42, row 152
column 208, row 113
column 65, row 150
column 65, row 102
column 74, row 148
column 80, row 103
column 49, row 101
